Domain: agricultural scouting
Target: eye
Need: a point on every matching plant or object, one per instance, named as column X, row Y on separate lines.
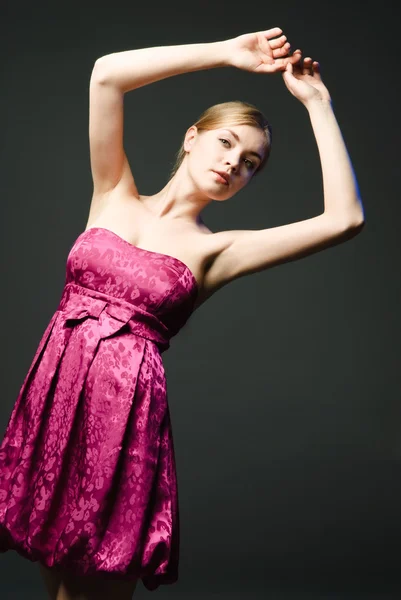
column 250, row 164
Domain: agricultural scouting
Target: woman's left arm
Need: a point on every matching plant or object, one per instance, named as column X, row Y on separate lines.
column 249, row 251
column 342, row 201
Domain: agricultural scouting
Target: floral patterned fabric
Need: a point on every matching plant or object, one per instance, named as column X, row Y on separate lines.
column 87, row 469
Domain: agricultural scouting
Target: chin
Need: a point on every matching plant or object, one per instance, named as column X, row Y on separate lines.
column 221, row 198
column 217, row 192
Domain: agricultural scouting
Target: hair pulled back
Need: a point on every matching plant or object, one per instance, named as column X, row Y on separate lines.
column 235, row 112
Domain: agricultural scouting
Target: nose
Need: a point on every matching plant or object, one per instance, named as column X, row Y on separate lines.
column 232, row 165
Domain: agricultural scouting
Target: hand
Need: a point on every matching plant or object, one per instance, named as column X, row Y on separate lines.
column 304, row 81
column 261, row 52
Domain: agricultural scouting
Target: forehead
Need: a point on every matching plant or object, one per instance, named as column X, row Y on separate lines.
column 244, row 131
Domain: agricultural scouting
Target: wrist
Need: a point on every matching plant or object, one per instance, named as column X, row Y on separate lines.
column 318, row 104
column 222, row 52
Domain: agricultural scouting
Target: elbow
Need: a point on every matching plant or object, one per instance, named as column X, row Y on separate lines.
column 350, row 228
column 358, row 221
column 351, row 223
column 101, row 71
column 356, row 224
column 356, row 227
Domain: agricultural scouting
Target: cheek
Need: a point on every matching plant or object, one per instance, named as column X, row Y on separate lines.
column 196, row 158
column 245, row 179
column 201, row 154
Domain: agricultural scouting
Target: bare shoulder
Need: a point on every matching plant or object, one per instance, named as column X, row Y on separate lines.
column 131, row 216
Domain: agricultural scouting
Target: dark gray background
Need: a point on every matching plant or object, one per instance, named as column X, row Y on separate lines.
column 284, row 388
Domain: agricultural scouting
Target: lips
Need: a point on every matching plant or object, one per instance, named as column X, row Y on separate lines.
column 224, row 175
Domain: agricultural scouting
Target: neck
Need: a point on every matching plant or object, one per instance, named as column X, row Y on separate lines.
column 179, row 200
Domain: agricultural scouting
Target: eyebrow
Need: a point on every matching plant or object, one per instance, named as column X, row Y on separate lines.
column 238, row 140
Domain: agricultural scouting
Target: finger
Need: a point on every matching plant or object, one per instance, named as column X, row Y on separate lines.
column 307, row 66
column 271, row 33
column 283, row 51
column 296, row 57
column 288, row 73
column 280, row 64
column 316, row 68
column 288, row 69
column 264, row 45
column 278, row 42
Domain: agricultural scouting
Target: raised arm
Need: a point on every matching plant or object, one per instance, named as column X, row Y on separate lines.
column 249, row 251
column 115, row 74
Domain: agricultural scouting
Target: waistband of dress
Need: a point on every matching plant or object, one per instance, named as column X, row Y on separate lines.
column 139, row 320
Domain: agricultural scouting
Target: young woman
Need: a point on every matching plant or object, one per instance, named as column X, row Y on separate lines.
column 87, row 472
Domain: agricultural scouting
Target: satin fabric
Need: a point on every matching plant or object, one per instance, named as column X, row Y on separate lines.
column 88, row 476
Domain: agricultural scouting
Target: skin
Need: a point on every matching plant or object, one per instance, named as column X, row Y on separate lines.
column 219, row 150
column 195, row 184
column 169, row 221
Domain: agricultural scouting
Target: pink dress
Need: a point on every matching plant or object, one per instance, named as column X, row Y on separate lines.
column 87, row 470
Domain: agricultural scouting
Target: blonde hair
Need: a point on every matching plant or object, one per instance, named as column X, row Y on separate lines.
column 235, row 112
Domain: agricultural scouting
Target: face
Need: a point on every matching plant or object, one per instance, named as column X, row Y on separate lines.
column 234, row 150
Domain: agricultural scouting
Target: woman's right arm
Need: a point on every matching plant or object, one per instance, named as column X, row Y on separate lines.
column 117, row 73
